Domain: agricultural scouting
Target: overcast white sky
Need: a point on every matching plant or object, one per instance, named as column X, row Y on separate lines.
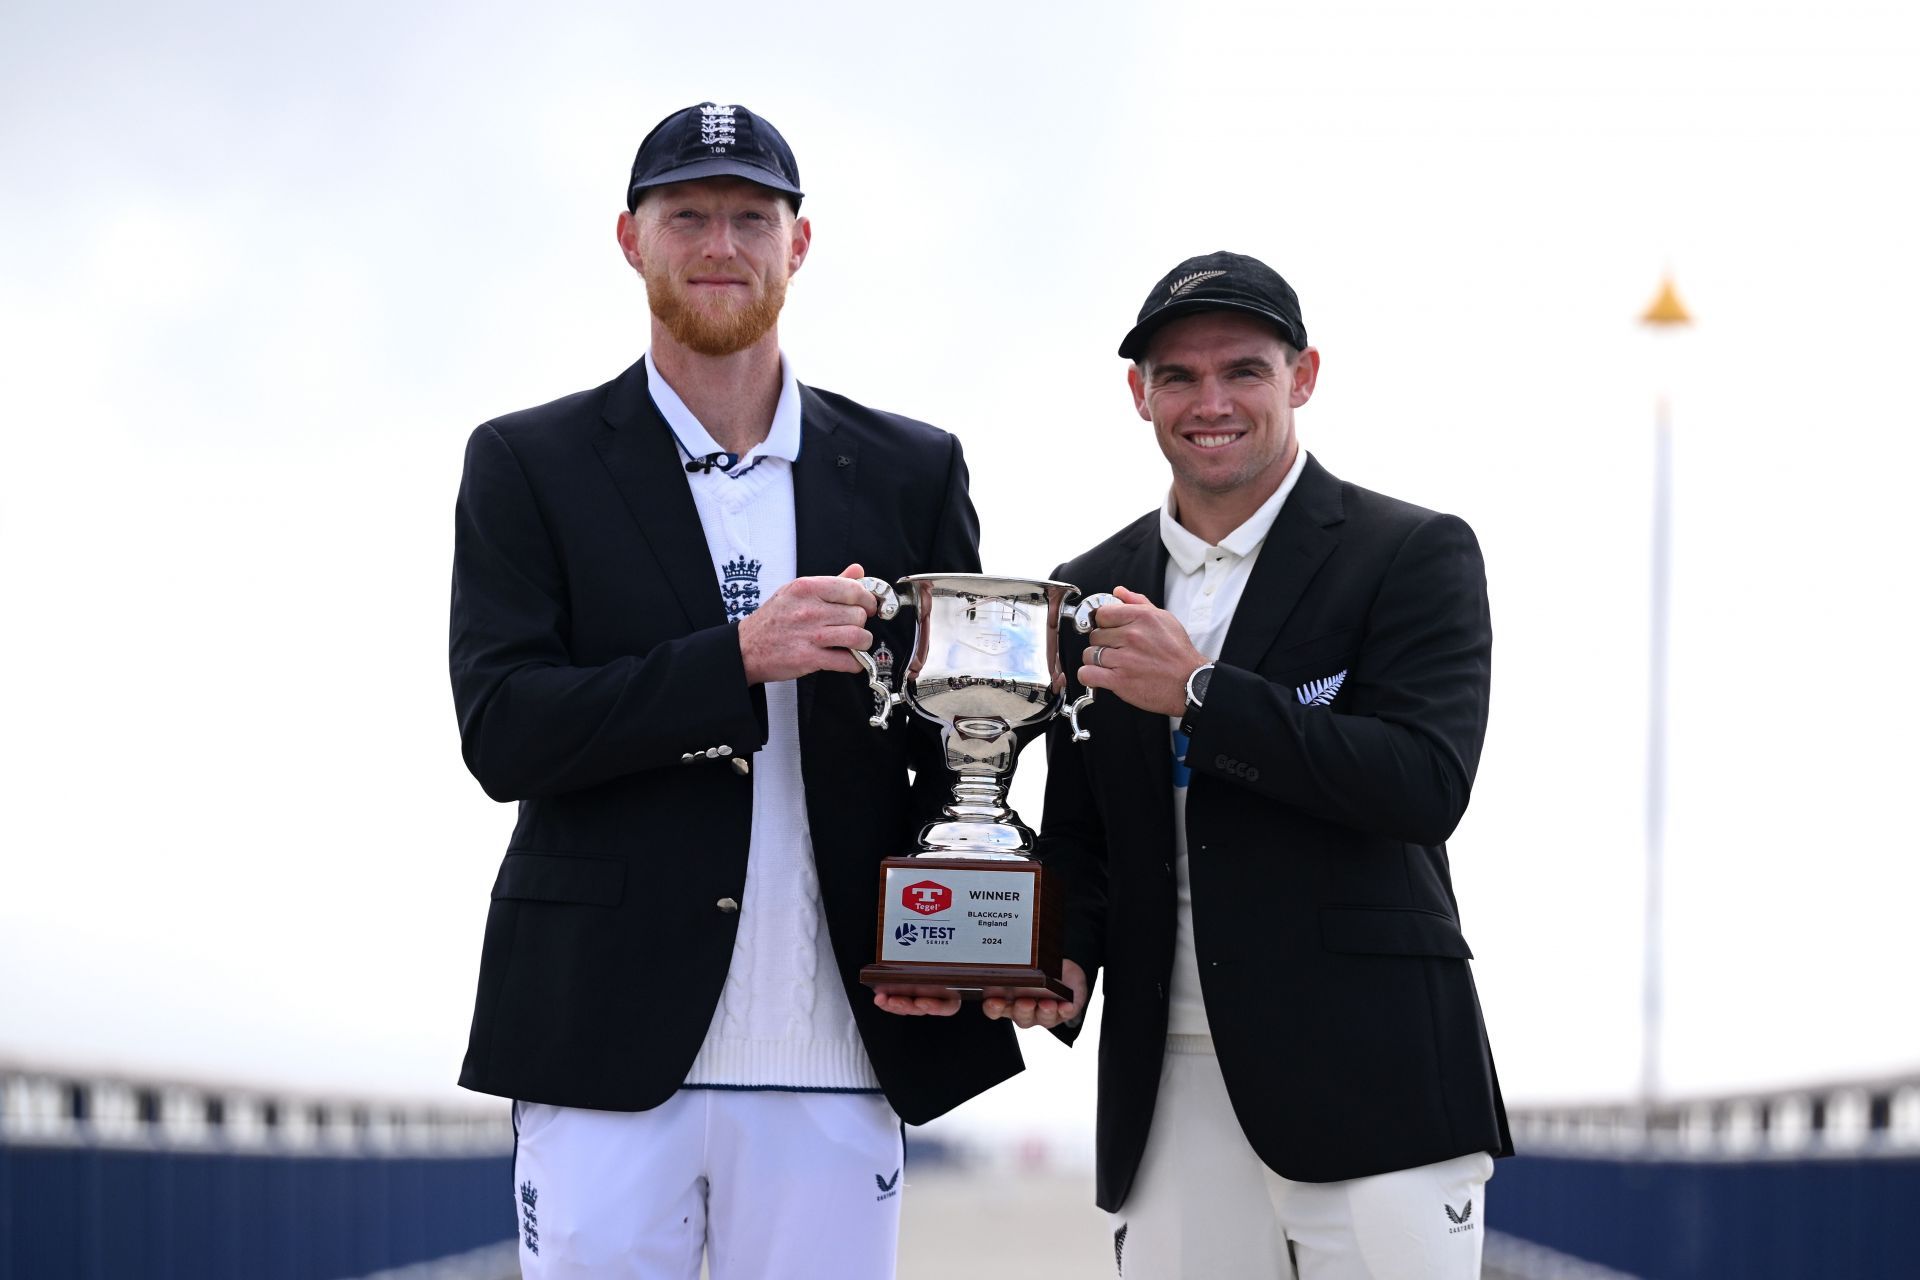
column 264, row 266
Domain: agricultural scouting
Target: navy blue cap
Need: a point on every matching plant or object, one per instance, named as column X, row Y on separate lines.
column 1218, row 281
column 714, row 141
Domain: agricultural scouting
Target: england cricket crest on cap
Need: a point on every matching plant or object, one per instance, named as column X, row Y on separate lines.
column 716, row 128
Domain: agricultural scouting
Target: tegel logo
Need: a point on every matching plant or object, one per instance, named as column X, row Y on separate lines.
column 928, row 897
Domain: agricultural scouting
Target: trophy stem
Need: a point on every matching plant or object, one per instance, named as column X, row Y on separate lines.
column 980, row 796
column 978, row 823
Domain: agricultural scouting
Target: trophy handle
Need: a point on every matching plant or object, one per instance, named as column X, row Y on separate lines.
column 884, row 699
column 1083, row 612
column 1074, row 709
column 882, row 591
column 1083, row 622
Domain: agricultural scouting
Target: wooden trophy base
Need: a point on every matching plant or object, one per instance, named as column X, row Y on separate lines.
column 947, row 982
column 945, row 923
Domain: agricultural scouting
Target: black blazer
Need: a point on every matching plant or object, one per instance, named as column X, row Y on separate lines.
column 1330, row 952
column 590, row 653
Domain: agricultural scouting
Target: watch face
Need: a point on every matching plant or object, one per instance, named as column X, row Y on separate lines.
column 1198, row 685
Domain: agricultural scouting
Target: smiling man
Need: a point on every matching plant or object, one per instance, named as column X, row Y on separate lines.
column 653, row 607
column 1294, row 1076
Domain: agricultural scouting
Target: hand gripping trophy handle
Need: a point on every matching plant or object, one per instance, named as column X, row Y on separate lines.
column 1083, row 622
column 884, row 699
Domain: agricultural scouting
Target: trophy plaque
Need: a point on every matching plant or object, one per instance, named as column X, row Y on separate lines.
column 970, row 910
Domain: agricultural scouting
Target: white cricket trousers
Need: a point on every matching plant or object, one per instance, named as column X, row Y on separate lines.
column 1204, row 1205
column 769, row 1185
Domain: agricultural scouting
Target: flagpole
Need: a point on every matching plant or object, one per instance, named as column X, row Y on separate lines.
column 1665, row 313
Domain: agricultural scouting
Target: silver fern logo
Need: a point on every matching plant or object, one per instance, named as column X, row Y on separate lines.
column 1321, row 692
column 1187, row 282
column 716, row 128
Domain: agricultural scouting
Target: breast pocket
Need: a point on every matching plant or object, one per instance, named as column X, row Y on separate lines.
column 1314, row 670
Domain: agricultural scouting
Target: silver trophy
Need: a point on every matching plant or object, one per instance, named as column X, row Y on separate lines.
column 969, row 910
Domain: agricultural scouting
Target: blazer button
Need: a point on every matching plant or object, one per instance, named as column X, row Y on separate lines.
column 740, row 766
column 727, row 906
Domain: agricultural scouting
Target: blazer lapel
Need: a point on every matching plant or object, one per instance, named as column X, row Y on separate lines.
column 1304, row 534
column 640, row 453
column 823, row 479
column 1145, row 570
column 1143, row 566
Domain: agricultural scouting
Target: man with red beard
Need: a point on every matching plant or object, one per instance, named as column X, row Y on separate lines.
column 655, row 591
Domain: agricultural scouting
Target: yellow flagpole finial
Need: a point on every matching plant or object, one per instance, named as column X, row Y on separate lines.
column 1667, row 309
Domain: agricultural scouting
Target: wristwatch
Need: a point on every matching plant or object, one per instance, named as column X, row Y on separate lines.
column 1196, row 695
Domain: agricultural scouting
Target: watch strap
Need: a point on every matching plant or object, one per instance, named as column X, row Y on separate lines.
column 1197, row 683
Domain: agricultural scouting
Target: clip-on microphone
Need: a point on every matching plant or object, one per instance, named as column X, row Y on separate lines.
column 707, row 462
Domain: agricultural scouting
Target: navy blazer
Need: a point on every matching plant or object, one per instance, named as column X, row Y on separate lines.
column 1331, row 959
column 591, row 656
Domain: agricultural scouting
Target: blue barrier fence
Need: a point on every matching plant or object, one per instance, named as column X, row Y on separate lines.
column 105, row 1178
column 1817, row 1180
column 1755, row 1219
column 113, row 1179
column 94, row 1213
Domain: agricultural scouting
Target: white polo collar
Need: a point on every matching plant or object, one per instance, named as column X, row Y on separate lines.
column 1190, row 552
column 783, row 436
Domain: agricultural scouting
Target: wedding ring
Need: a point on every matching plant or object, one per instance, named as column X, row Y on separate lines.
column 1093, row 655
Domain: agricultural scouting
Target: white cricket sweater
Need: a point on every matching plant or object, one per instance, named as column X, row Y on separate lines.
column 783, row 1021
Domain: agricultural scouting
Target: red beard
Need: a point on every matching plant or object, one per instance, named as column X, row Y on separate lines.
column 711, row 333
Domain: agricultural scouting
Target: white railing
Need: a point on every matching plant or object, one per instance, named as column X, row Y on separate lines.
column 47, row 1107
column 1856, row 1118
